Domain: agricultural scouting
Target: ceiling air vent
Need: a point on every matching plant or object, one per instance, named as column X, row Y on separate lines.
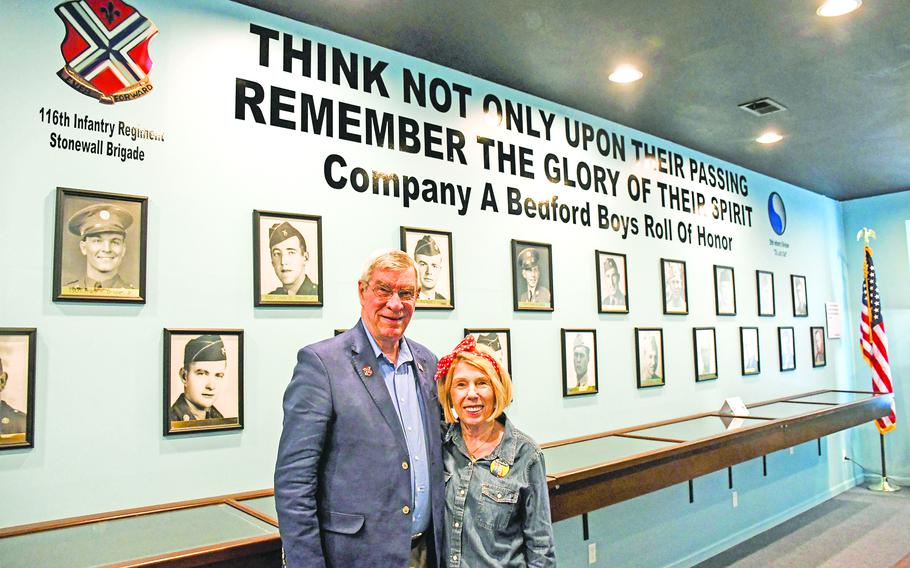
column 762, row 107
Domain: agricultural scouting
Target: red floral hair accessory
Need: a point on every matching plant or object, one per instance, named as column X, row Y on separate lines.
column 468, row 344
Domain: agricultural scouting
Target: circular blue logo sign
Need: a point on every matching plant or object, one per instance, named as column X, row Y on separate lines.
column 777, row 214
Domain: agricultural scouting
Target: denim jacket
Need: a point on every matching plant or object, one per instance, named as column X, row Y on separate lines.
column 497, row 520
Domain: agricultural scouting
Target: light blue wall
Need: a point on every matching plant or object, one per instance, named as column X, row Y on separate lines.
column 888, row 216
column 99, row 396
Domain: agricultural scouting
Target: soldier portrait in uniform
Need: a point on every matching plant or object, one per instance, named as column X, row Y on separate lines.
column 612, row 283
column 724, row 291
column 203, row 380
column 798, row 292
column 676, row 294
column 17, row 388
column 649, row 357
column 287, row 259
column 498, row 340
column 787, row 348
column 819, row 354
column 432, row 253
column 705, row 341
column 764, row 282
column 748, row 343
column 579, row 361
column 99, row 247
column 532, row 276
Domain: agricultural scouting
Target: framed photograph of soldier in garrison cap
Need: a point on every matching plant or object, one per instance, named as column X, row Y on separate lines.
column 287, row 259
column 649, row 357
column 612, row 283
column 705, row 341
column 675, row 288
column 532, row 276
column 17, row 388
column 579, row 361
column 499, row 340
column 203, row 380
column 724, row 291
column 99, row 247
column 750, row 354
column 432, row 253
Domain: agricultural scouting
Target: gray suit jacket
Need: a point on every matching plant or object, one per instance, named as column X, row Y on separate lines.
column 341, row 484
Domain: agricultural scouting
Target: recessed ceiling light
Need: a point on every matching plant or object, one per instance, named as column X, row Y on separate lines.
column 625, row 74
column 833, row 8
column 769, row 137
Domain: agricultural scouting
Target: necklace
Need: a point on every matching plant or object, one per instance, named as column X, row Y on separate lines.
column 480, row 448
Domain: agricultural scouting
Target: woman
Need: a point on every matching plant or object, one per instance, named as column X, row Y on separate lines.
column 497, row 505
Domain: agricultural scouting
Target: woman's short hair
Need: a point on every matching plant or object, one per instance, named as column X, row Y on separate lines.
column 388, row 259
column 500, row 381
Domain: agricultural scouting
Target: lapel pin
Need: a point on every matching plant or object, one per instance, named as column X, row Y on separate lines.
column 367, row 371
column 498, row 468
column 420, row 366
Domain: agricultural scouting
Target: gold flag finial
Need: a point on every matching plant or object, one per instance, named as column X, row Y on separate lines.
column 865, row 233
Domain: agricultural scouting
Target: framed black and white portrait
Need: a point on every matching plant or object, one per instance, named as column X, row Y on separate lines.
column 203, row 380
column 579, row 361
column 612, row 282
column 787, row 347
column 649, row 357
column 287, row 259
column 498, row 340
column 749, row 352
column 17, row 387
column 705, row 343
column 432, row 253
column 819, row 350
column 724, row 291
column 532, row 276
column 675, row 293
column 799, row 295
column 764, row 284
column 99, row 247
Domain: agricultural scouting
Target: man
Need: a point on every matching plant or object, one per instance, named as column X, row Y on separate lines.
column 204, row 367
column 529, row 290
column 726, row 300
column 581, row 356
column 428, row 258
column 675, row 292
column 102, row 230
column 614, row 296
column 818, row 346
column 750, row 356
column 359, row 479
column 289, row 258
column 787, row 359
column 799, row 291
column 12, row 421
column 706, row 361
column 651, row 372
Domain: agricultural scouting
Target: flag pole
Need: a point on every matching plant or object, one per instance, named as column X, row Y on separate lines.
column 883, row 485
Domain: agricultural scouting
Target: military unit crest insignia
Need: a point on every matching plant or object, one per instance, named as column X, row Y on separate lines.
column 106, row 49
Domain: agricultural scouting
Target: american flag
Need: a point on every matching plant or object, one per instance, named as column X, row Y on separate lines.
column 873, row 341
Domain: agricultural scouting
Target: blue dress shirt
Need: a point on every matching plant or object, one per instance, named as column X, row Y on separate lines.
column 401, row 381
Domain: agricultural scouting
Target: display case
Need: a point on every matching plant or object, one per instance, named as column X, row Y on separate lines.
column 597, row 470
column 227, row 531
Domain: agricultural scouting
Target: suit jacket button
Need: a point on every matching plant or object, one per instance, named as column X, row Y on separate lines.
column 404, row 465
column 405, row 509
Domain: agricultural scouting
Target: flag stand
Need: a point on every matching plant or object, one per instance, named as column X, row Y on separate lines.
column 883, row 485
